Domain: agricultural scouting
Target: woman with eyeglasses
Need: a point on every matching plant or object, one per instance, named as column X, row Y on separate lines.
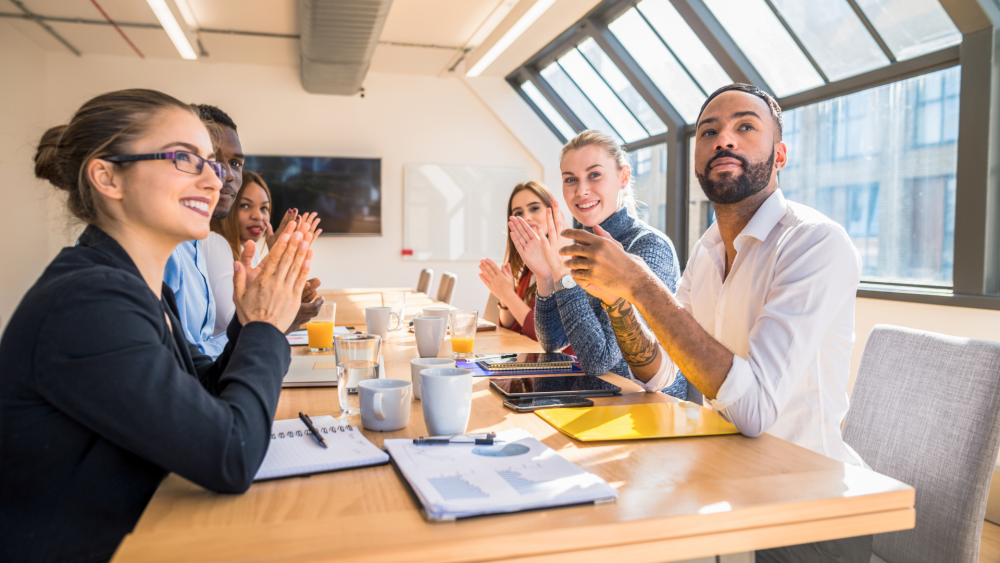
column 101, row 396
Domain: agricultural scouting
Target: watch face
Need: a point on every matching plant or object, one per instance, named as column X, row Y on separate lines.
column 567, row 282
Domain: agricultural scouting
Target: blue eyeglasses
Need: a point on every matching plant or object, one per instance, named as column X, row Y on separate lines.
column 183, row 161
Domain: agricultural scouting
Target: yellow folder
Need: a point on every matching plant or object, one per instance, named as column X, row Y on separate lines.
column 636, row 422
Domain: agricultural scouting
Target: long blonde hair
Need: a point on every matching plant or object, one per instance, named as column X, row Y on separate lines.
column 616, row 151
column 229, row 227
column 517, row 267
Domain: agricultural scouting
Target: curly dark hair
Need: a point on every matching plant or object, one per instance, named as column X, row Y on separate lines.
column 779, row 122
column 214, row 114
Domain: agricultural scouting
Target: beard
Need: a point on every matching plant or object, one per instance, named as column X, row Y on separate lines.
column 732, row 188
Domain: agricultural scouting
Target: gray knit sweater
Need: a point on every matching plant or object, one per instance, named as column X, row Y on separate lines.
column 573, row 317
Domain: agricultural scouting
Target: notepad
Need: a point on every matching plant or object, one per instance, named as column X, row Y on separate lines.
column 517, row 473
column 528, row 361
column 637, row 422
column 292, row 451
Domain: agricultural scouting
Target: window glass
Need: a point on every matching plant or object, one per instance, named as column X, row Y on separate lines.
column 685, row 44
column 834, row 35
column 550, row 112
column 602, row 96
column 896, row 200
column 936, row 102
column 622, row 87
column 911, row 28
column 574, row 98
column 761, row 37
column 649, row 172
column 661, row 66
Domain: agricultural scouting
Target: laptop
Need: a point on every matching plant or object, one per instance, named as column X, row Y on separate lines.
column 311, row 371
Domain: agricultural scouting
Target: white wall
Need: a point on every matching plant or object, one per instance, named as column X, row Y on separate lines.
column 402, row 119
column 24, row 230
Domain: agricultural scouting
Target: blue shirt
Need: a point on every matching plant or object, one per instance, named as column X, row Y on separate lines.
column 187, row 275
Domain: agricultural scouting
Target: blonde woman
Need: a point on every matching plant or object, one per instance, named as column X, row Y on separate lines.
column 607, row 334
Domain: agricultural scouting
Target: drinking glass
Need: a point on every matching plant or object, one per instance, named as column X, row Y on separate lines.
column 396, row 301
column 463, row 324
column 357, row 359
column 320, row 328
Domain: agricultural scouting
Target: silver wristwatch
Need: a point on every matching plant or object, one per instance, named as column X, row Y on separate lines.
column 565, row 282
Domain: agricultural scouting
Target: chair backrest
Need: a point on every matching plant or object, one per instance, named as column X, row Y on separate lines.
column 492, row 310
column 424, row 281
column 924, row 411
column 446, row 288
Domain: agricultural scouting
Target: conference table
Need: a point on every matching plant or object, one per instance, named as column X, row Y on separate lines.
column 679, row 499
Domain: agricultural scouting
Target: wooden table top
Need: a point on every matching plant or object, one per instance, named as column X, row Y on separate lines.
column 678, row 498
column 351, row 303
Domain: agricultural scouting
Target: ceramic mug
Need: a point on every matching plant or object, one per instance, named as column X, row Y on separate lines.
column 420, row 364
column 385, row 404
column 430, row 333
column 446, row 394
column 377, row 321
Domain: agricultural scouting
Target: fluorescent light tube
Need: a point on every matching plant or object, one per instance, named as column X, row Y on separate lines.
column 515, row 31
column 173, row 29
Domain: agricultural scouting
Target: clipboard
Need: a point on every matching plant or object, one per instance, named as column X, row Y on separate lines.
column 637, row 422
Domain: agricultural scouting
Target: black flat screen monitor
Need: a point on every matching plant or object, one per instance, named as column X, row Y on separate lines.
column 345, row 192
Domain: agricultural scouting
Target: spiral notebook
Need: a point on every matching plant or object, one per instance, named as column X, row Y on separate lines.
column 292, row 451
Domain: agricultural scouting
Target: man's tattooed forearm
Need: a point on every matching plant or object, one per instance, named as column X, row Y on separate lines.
column 637, row 343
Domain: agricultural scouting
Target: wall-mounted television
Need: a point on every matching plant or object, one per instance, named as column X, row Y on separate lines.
column 345, row 192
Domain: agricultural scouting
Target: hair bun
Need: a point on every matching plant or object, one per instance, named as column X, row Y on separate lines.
column 49, row 159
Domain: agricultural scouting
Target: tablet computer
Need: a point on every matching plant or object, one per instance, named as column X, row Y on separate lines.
column 580, row 385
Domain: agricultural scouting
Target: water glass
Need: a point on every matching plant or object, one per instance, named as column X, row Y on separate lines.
column 463, row 324
column 320, row 328
column 357, row 359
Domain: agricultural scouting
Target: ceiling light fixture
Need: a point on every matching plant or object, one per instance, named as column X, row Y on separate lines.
column 529, row 17
column 173, row 29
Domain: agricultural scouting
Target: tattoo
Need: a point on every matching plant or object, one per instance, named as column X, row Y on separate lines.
column 638, row 345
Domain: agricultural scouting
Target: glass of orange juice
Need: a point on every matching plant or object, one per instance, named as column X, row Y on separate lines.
column 463, row 331
column 320, row 328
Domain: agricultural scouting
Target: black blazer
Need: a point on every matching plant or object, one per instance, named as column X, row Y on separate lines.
column 100, row 400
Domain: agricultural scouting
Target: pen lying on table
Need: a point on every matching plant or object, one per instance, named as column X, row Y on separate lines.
column 489, row 440
column 315, row 433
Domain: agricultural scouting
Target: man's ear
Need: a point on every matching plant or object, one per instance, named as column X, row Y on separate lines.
column 780, row 155
column 103, row 177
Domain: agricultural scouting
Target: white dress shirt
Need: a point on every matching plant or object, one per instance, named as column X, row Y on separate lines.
column 219, row 259
column 786, row 312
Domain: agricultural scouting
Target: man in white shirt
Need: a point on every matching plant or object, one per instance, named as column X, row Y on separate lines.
column 763, row 319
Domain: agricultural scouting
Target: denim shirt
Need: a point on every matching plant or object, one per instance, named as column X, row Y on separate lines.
column 187, row 276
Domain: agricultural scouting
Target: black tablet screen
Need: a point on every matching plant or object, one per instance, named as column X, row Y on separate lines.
column 573, row 384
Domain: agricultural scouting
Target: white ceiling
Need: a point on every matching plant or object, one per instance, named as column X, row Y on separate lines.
column 447, row 23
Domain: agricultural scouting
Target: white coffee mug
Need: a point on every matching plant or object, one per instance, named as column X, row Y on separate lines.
column 377, row 321
column 446, row 394
column 430, row 333
column 420, row 364
column 436, row 312
column 385, row 404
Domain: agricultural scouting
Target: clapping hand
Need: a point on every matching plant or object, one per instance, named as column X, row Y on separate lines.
column 270, row 238
column 500, row 281
column 601, row 266
column 273, row 296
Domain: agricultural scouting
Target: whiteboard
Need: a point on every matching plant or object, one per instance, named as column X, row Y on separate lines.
column 456, row 212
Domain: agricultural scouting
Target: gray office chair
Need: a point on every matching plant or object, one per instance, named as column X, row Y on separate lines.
column 492, row 310
column 446, row 287
column 424, row 281
column 924, row 411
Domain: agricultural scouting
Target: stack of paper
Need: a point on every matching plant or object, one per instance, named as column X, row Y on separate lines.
column 518, row 473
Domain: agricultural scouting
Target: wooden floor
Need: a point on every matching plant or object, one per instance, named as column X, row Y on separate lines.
column 989, row 549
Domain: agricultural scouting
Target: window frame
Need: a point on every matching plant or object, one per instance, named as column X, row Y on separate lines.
column 976, row 256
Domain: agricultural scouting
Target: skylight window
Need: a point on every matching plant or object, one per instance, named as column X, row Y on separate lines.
column 834, row 35
column 577, row 101
column 911, row 27
column 622, row 87
column 602, row 96
column 685, row 44
column 550, row 112
column 762, row 38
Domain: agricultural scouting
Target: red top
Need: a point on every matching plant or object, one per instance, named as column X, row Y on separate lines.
column 529, row 320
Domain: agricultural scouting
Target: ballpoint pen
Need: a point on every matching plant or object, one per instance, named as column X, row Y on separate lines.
column 489, row 440
column 315, row 433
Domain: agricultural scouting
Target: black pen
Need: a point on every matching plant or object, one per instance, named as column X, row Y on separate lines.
column 312, row 429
